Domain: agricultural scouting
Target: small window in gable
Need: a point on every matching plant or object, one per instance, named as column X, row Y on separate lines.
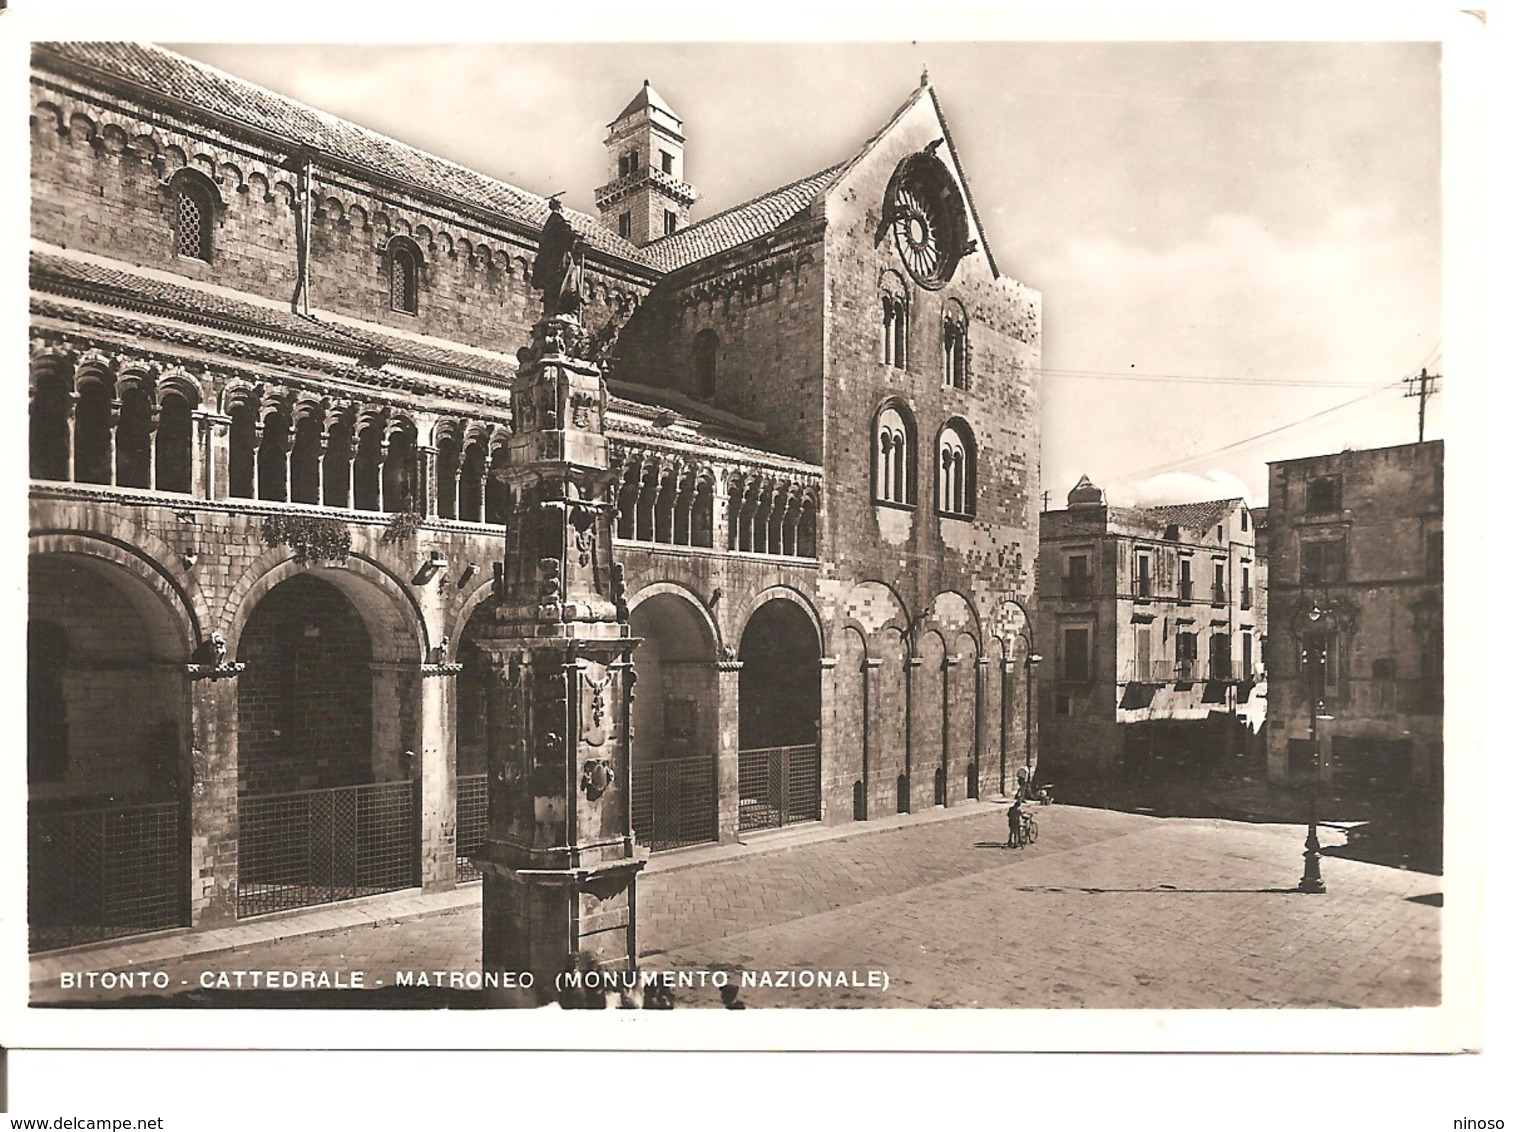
column 193, row 211
column 954, row 344
column 404, row 277
column 895, row 330
column 893, row 456
column 955, row 471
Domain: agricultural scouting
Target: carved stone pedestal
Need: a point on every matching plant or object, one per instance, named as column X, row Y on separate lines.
column 560, row 862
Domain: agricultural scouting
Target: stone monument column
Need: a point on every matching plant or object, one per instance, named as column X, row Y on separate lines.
column 560, row 861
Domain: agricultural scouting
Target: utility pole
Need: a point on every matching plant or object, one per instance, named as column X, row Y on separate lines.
column 1425, row 381
column 1045, row 501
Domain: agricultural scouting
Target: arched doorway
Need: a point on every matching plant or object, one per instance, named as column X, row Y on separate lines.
column 326, row 804
column 779, row 761
column 107, row 714
column 676, row 720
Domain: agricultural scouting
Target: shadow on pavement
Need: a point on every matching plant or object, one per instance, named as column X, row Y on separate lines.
column 1395, row 830
column 1161, row 889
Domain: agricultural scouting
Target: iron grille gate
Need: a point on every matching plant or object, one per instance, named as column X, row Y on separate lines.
column 779, row 786
column 320, row 846
column 472, row 822
column 673, row 802
column 105, row 872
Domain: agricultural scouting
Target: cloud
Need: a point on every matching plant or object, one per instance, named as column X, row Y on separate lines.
column 1179, row 487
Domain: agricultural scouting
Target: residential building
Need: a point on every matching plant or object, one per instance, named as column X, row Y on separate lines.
column 1148, row 619
column 1355, row 567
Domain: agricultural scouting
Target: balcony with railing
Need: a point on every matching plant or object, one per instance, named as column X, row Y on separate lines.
column 1141, row 590
column 1246, row 597
column 1077, row 587
column 1185, row 589
column 1218, row 595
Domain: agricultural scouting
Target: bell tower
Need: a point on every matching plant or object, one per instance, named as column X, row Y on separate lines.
column 646, row 196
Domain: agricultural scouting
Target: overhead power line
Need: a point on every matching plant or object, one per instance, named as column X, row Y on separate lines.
column 1204, row 379
column 1246, row 442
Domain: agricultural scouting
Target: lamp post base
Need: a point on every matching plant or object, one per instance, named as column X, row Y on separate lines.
column 1311, row 881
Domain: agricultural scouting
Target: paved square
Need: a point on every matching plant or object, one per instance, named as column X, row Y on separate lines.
column 1107, row 910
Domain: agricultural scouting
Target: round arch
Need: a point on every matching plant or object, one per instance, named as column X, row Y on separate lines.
column 394, row 620
column 748, row 609
column 142, row 555
column 108, row 738
column 698, row 608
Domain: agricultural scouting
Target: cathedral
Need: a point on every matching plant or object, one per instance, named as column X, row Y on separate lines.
column 271, row 363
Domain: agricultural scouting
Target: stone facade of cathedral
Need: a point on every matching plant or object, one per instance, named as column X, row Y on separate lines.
column 271, row 355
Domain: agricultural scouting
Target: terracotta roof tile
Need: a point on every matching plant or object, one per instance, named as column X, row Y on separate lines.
column 1194, row 516
column 736, row 226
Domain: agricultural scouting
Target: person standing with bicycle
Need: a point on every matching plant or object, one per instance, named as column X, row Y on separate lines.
column 1016, row 801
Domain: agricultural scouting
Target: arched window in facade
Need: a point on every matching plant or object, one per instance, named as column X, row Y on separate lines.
column 93, row 459
column 134, row 438
column 706, row 345
column 336, row 474
column 399, row 470
column 175, row 442
column 448, row 466
column 273, row 457
column 244, row 415
column 954, row 345
column 470, row 488
column 895, row 329
column 894, row 456
column 49, row 426
column 194, row 211
column 956, row 470
column 496, row 495
column 404, row 276
column 305, row 460
column 366, row 464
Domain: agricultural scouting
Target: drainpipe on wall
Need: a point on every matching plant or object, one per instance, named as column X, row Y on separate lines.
column 300, row 303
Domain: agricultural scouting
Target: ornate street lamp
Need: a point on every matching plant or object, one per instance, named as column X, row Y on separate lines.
column 1030, row 678
column 1314, row 667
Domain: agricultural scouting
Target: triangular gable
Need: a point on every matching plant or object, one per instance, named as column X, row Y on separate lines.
column 955, row 164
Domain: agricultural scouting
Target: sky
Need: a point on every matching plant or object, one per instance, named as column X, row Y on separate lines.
column 1210, row 214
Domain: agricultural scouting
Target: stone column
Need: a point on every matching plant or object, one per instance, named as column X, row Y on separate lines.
column 560, row 861
column 871, row 740
column 827, row 766
column 728, row 747
column 425, row 459
column 110, row 439
column 948, row 662
column 204, row 478
column 911, row 666
column 980, row 724
column 69, row 414
column 437, row 772
column 213, row 793
column 1006, row 713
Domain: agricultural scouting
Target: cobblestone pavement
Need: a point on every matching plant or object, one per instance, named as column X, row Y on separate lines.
column 1107, row 910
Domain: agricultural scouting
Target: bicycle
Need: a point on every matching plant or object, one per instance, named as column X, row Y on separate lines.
column 1026, row 834
column 1028, row 830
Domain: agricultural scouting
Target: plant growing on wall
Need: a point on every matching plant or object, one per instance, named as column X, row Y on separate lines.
column 401, row 527
column 313, row 538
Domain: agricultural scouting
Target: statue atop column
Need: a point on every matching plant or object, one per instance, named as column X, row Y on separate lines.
column 558, row 273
